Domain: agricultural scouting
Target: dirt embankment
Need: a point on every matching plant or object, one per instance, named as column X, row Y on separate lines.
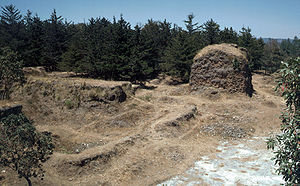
column 108, row 134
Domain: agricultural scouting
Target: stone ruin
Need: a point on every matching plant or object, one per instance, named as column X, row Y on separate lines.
column 222, row 66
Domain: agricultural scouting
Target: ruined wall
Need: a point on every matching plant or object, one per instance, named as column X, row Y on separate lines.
column 222, row 66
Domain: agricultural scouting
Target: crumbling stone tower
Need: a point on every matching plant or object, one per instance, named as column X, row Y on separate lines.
column 222, row 66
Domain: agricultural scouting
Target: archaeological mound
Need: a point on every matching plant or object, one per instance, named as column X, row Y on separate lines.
column 222, row 66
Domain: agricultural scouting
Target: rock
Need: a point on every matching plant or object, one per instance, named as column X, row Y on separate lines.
column 214, row 92
column 13, row 109
column 166, row 80
column 116, row 94
column 173, row 126
column 224, row 130
column 35, row 71
column 169, row 80
column 128, row 89
column 222, row 66
column 155, row 81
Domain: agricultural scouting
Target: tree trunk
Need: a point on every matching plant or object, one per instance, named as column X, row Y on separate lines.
column 28, row 181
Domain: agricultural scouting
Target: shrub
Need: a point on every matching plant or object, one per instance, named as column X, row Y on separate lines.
column 69, row 104
column 148, row 97
column 10, row 72
column 287, row 144
column 236, row 64
column 22, row 148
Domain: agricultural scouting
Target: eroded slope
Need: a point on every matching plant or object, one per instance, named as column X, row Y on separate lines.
column 144, row 139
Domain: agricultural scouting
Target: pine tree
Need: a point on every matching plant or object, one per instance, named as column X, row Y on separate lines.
column 97, row 48
column 10, row 15
column 156, row 37
column 117, row 60
column 228, row 35
column 257, row 50
column 179, row 56
column 296, row 47
column 55, row 40
column 11, row 28
column 73, row 58
column 190, row 26
column 211, row 31
column 139, row 70
column 273, row 56
column 34, row 40
column 164, row 37
column 287, row 47
column 245, row 37
column 253, row 46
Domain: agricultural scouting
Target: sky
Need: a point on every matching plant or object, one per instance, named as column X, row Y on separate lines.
column 266, row 18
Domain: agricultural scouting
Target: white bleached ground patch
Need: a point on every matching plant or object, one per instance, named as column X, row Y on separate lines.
column 247, row 162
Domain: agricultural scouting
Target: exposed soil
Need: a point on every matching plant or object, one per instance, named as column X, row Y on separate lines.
column 145, row 139
column 242, row 162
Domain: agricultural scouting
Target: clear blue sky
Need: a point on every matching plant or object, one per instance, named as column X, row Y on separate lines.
column 266, row 18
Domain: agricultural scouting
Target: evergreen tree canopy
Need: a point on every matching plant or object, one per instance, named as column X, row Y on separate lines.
column 254, row 47
column 55, row 41
column 228, row 35
column 10, row 15
column 273, row 55
column 12, row 28
column 190, row 26
column 211, row 31
column 179, row 56
column 108, row 49
column 34, row 40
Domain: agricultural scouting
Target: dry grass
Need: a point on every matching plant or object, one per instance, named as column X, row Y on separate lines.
column 134, row 142
column 226, row 48
column 81, row 81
